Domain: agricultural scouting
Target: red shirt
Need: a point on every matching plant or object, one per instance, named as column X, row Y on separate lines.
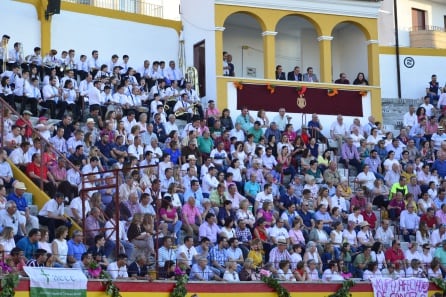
column 430, row 222
column 369, row 218
column 32, row 167
column 394, row 256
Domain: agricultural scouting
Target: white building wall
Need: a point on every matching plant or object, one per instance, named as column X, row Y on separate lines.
column 413, row 80
column 199, row 24
column 19, row 21
column 113, row 36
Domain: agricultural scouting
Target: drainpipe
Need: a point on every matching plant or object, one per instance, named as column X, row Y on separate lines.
column 397, row 48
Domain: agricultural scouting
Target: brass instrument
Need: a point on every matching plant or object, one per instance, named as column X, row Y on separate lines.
column 181, row 111
column 166, row 107
column 5, row 52
column 192, row 77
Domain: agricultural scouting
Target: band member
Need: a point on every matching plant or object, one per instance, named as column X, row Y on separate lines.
column 182, row 108
column 193, row 98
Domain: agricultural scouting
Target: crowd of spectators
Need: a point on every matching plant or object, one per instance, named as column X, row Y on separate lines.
column 226, row 197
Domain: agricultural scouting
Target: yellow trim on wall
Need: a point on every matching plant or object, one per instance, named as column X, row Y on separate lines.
column 390, row 50
column 114, row 14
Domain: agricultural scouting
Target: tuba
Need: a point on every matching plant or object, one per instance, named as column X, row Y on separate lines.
column 192, row 77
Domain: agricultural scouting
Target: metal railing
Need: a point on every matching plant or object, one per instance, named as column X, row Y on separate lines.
column 427, row 28
column 130, row 6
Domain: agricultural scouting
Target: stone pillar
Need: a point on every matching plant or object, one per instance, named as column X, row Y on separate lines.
column 325, row 58
column 269, row 54
column 373, row 62
column 219, row 50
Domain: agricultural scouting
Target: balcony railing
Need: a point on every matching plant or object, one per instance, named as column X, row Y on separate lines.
column 427, row 28
column 130, row 6
column 428, row 37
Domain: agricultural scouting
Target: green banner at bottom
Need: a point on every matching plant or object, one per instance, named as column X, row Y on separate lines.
column 47, row 292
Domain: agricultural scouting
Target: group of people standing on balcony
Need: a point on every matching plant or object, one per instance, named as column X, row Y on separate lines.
column 310, row 76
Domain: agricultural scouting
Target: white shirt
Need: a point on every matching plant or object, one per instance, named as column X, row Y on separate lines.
column 117, row 272
column 188, row 252
column 339, row 202
column 110, row 230
column 48, row 91
column 409, row 220
column 263, row 197
column 410, row 120
column 338, row 129
column 209, row 183
column 76, row 204
column 94, row 96
column 52, row 207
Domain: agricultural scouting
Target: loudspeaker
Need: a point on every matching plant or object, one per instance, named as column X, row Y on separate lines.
column 53, row 7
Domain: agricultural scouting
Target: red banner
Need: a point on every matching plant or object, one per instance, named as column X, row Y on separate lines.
column 271, row 98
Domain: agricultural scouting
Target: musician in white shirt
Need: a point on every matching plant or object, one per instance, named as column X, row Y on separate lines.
column 21, row 85
column 69, row 95
column 174, row 74
column 113, row 63
column 52, row 96
column 94, row 95
column 15, row 56
column 125, row 64
column 144, row 71
column 158, row 89
column 119, row 96
column 70, row 75
column 32, row 95
column 50, row 60
column 183, row 106
column 193, row 98
column 93, row 62
column 82, row 67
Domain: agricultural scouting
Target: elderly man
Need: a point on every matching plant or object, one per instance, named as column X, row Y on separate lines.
column 315, row 128
column 350, row 155
column 10, row 217
column 201, row 271
column 22, row 206
column 279, row 253
column 331, row 174
column 281, row 120
column 338, row 131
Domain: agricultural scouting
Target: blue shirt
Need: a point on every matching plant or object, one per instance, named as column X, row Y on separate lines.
column 21, row 202
column 440, row 166
column 27, row 247
column 76, row 249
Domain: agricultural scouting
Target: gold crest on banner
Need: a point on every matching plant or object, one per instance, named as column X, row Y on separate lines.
column 301, row 102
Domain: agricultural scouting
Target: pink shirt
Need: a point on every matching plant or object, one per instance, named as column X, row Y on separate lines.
column 441, row 215
column 171, row 214
column 190, row 213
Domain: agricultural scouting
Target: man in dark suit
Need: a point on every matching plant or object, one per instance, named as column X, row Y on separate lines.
column 295, row 75
column 138, row 269
column 280, row 75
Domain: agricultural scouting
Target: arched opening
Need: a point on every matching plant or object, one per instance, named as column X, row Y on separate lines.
column 243, row 40
column 296, row 44
column 349, row 51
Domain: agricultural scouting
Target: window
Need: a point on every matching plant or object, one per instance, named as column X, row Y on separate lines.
column 418, row 20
